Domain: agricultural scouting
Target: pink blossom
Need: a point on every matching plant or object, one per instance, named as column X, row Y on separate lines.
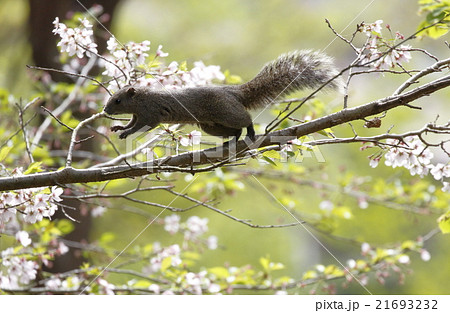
column 425, row 255
column 193, row 138
column 196, row 226
column 172, row 223
column 23, row 238
column 160, row 53
column 374, row 162
column 440, row 170
column 446, row 187
column 211, row 242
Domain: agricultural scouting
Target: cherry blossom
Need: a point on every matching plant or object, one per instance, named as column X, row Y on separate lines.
column 425, row 255
column 53, row 283
column 193, row 138
column 172, row 251
column 446, row 187
column 196, row 226
column 172, row 223
column 373, row 27
column 23, row 238
column 413, row 155
column 211, row 242
column 62, row 248
column 107, row 287
column 154, row 288
column 6, row 213
column 75, row 41
column 403, row 259
column 198, row 281
column 98, row 211
column 440, row 170
column 19, row 270
column 160, row 53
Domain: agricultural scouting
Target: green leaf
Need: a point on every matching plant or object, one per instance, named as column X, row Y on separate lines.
column 142, row 284
column 183, row 66
column 309, row 275
column 65, row 226
column 4, row 152
column 444, row 223
column 191, row 255
column 67, row 119
column 219, row 272
column 166, row 263
column 333, row 270
column 343, row 212
column 269, row 160
column 34, row 167
column 232, row 79
column 107, row 237
column 272, row 154
column 408, row 245
column 264, row 263
column 326, row 132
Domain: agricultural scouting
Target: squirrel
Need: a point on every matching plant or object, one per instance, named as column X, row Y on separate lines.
column 221, row 110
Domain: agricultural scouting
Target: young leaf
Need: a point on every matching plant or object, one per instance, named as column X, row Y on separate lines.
column 444, row 223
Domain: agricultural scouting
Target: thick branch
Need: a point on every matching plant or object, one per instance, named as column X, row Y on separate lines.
column 184, row 162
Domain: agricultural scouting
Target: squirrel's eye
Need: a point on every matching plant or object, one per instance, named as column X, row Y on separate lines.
column 117, row 101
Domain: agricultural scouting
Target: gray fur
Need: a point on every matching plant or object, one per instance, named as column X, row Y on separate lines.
column 222, row 110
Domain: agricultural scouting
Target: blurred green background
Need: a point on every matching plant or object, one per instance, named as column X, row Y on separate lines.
column 242, row 35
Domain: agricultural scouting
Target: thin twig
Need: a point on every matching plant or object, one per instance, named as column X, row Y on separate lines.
column 57, row 119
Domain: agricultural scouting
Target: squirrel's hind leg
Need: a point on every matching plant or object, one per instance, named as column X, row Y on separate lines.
column 251, row 132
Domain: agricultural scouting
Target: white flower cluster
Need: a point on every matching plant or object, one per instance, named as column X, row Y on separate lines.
column 129, row 63
column 35, row 203
column 377, row 47
column 192, row 229
column 123, row 60
column 197, row 282
column 173, row 252
column 193, row 138
column 174, row 77
column 413, row 155
column 19, row 270
column 70, row 283
column 77, row 40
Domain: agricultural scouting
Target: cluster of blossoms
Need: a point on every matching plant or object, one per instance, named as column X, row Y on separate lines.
column 413, row 155
column 77, row 40
column 19, row 270
column 123, row 60
column 192, row 229
column 379, row 53
column 171, row 252
column 386, row 259
column 197, row 282
column 35, row 203
column 192, row 282
column 128, row 63
column 175, row 76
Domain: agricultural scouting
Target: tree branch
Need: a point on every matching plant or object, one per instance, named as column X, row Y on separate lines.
column 185, row 162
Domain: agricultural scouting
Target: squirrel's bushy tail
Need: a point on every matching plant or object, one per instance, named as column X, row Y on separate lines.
column 288, row 73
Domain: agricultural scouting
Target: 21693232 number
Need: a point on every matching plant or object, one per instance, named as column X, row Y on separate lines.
column 406, row 304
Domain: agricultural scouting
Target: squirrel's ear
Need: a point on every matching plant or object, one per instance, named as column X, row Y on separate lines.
column 131, row 91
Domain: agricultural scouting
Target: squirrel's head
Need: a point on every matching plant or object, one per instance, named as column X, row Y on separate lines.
column 121, row 101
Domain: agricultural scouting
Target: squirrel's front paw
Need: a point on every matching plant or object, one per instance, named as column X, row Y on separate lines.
column 123, row 135
column 116, row 128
